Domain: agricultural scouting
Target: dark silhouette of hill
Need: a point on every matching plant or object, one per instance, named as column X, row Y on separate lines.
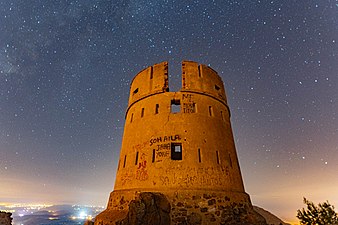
column 269, row 217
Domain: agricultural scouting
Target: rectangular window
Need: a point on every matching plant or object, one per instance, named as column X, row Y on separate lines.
column 131, row 117
column 136, row 160
column 175, row 106
column 135, row 91
column 199, row 155
column 211, row 113
column 157, row 107
column 142, row 112
column 217, row 157
column 217, row 88
column 199, row 71
column 176, row 151
column 125, row 159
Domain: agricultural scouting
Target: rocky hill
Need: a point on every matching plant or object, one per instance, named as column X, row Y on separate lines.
column 269, row 217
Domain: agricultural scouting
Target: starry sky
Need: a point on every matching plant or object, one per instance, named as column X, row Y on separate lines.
column 66, row 66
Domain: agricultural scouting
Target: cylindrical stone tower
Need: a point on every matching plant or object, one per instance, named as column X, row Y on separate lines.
column 179, row 144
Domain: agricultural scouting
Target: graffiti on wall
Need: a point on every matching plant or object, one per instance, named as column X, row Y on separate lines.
column 126, row 178
column 187, row 97
column 189, row 176
column 139, row 147
column 141, row 172
column 188, row 106
column 162, row 151
column 162, row 139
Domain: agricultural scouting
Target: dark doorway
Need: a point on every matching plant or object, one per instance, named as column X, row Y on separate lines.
column 176, row 151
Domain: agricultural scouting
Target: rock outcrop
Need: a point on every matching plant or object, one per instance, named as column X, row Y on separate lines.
column 149, row 208
column 88, row 222
column 5, row 218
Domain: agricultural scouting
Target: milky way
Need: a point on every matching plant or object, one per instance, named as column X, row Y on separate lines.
column 66, row 66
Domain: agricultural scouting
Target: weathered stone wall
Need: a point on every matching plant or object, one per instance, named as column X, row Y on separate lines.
column 213, row 209
column 120, row 200
column 5, row 218
column 193, row 208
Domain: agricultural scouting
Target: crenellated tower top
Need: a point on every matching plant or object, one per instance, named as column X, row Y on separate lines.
column 196, row 77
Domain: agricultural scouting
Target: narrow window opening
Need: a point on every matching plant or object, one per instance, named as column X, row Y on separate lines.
column 157, row 107
column 153, row 160
column 217, row 88
column 175, row 106
column 176, row 151
column 131, row 117
column 199, row 155
column 151, row 73
column 217, row 157
column 142, row 112
column 210, row 111
column 135, row 91
column 125, row 159
column 199, row 71
column 136, row 160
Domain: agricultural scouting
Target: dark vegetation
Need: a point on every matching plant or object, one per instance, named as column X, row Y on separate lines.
column 323, row 214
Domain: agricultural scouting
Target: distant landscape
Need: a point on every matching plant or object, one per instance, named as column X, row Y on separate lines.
column 50, row 215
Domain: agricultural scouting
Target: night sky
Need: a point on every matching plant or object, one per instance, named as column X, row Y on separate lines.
column 66, row 67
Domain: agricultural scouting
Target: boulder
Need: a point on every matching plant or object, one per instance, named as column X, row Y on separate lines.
column 148, row 208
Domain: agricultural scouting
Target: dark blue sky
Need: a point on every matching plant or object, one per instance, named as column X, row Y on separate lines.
column 66, row 66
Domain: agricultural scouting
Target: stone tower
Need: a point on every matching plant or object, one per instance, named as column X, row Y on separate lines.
column 178, row 153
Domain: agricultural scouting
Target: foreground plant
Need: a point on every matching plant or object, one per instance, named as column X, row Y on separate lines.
column 323, row 214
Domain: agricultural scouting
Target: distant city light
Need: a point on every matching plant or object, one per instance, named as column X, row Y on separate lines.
column 82, row 215
column 53, row 218
column 25, row 211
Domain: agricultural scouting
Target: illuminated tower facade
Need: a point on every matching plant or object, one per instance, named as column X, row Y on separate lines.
column 180, row 144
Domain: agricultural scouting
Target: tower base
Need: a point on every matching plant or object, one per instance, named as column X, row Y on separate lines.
column 180, row 207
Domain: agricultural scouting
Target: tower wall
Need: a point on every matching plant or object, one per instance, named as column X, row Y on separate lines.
column 180, row 143
column 201, row 130
column 151, row 80
column 202, row 79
